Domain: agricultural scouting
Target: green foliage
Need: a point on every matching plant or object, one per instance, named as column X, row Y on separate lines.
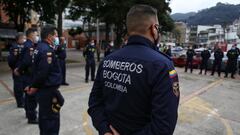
column 115, row 11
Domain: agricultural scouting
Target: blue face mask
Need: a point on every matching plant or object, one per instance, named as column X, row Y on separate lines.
column 56, row 41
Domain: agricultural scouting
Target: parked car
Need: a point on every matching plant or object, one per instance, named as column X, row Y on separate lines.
column 180, row 58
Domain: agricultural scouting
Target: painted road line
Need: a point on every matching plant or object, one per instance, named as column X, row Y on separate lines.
column 7, row 88
column 88, row 130
column 201, row 91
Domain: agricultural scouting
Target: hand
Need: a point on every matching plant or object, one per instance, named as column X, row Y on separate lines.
column 115, row 132
column 32, row 91
column 26, row 89
column 16, row 72
column 108, row 134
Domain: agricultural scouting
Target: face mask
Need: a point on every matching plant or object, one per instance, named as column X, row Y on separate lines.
column 36, row 39
column 92, row 44
column 111, row 44
column 24, row 40
column 56, row 41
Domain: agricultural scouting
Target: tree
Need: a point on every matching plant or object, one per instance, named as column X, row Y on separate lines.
column 48, row 9
column 115, row 11
column 18, row 11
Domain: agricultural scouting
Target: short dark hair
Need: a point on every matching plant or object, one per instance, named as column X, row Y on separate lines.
column 30, row 31
column 47, row 30
column 139, row 17
column 19, row 35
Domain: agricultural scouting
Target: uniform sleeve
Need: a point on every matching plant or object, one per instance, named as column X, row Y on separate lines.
column 25, row 59
column 164, row 106
column 42, row 71
column 96, row 105
column 12, row 57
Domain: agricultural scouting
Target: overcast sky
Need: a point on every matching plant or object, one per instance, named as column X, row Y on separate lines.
column 184, row 6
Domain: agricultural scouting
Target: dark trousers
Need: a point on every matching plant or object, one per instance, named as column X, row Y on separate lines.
column 30, row 101
column 63, row 68
column 218, row 64
column 204, row 65
column 90, row 64
column 189, row 62
column 18, row 90
column 49, row 118
column 231, row 68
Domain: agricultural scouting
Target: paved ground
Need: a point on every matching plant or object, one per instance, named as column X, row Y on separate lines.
column 209, row 105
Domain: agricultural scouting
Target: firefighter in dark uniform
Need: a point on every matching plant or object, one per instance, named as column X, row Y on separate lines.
column 205, row 54
column 190, row 54
column 25, row 70
column 109, row 49
column 13, row 61
column 62, row 55
column 232, row 55
column 136, row 91
column 47, row 78
column 218, row 55
column 90, row 60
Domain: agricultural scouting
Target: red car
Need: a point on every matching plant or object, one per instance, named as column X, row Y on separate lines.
column 180, row 60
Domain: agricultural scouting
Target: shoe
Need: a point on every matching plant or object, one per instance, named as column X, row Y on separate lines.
column 66, row 84
column 225, row 76
column 86, row 81
column 93, row 80
column 200, row 73
column 33, row 121
column 232, row 77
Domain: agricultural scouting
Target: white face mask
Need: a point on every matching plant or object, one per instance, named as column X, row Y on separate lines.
column 92, row 44
column 36, row 39
column 111, row 44
column 24, row 40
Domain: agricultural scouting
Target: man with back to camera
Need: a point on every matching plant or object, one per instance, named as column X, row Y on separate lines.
column 136, row 91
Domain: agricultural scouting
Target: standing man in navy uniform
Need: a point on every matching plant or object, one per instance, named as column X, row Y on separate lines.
column 62, row 55
column 25, row 70
column 89, row 53
column 205, row 54
column 136, row 90
column 13, row 61
column 47, row 78
column 190, row 55
column 218, row 55
column 232, row 55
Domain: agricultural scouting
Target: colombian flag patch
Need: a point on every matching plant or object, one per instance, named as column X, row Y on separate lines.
column 172, row 73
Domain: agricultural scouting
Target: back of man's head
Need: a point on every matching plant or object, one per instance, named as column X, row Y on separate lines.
column 140, row 18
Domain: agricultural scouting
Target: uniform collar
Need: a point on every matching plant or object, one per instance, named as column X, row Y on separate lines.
column 140, row 40
column 51, row 46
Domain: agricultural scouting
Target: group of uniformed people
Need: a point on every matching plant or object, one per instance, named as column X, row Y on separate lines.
column 231, row 66
column 38, row 70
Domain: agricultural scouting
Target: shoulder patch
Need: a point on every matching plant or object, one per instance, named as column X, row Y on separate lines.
column 172, row 73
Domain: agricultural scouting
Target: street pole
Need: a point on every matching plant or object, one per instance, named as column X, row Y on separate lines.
column 98, row 45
